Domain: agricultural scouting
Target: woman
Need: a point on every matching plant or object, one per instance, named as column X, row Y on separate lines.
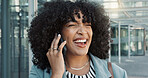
column 70, row 40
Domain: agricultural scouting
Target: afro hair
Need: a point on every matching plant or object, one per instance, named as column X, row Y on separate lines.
column 54, row 15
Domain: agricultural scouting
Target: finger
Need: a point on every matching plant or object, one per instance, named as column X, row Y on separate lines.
column 48, row 52
column 55, row 44
column 61, row 46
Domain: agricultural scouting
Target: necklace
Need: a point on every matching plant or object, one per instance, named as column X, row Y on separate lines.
column 73, row 68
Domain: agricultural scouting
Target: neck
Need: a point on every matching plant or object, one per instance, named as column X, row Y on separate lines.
column 76, row 61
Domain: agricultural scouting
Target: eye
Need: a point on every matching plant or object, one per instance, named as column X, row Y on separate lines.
column 88, row 25
column 72, row 25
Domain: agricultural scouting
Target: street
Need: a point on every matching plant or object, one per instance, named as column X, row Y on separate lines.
column 136, row 66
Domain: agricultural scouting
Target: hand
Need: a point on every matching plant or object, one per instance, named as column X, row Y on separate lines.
column 55, row 57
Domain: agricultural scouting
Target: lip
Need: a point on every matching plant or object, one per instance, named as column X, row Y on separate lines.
column 80, row 39
column 81, row 45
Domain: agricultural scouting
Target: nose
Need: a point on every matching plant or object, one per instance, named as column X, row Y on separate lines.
column 82, row 30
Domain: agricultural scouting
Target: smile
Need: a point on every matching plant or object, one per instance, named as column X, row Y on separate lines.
column 80, row 42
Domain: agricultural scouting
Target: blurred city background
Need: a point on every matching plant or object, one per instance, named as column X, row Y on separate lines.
column 129, row 26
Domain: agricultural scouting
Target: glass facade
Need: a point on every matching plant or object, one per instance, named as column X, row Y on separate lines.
column 0, row 43
column 137, row 38
column 18, row 39
column 129, row 13
column 146, row 42
column 19, row 42
column 137, row 42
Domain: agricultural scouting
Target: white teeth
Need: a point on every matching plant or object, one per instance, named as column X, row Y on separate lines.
column 80, row 41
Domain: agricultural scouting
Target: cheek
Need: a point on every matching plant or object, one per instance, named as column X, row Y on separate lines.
column 64, row 34
column 67, row 34
column 90, row 33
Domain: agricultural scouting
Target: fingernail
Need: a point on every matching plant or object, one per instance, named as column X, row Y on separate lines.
column 64, row 41
column 59, row 35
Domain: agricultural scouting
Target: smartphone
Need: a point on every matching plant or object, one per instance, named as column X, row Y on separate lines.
column 64, row 48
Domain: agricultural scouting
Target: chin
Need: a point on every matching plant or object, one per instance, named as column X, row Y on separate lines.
column 80, row 53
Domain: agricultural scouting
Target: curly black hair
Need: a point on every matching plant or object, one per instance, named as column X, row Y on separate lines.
column 54, row 15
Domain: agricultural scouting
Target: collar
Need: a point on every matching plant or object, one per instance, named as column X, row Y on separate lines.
column 100, row 66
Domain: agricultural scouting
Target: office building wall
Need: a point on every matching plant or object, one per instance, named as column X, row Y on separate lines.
column 137, row 38
column 18, row 49
column 0, row 43
column 18, row 41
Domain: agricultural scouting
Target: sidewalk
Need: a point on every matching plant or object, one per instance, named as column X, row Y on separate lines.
column 136, row 66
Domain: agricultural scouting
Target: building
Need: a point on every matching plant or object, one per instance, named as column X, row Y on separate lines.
column 128, row 17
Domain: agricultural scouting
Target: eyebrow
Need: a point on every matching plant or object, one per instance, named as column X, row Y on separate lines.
column 74, row 20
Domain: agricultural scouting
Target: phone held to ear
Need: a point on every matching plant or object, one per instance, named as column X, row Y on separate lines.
column 64, row 48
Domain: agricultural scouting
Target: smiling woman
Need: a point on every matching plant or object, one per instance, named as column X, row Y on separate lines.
column 78, row 36
column 84, row 27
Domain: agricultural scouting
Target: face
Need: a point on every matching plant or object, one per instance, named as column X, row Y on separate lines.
column 78, row 36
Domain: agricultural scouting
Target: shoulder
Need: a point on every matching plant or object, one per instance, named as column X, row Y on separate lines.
column 35, row 72
column 117, row 71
